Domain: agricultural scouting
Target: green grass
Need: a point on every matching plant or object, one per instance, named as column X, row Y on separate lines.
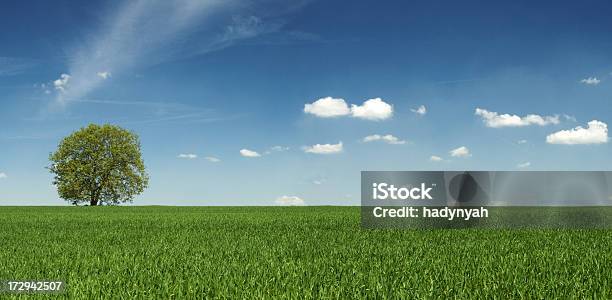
column 305, row 252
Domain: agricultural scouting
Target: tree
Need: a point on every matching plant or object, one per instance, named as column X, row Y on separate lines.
column 99, row 165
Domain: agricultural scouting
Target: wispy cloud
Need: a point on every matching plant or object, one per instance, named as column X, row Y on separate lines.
column 149, row 112
column 10, row 66
column 523, row 165
column 187, row 156
column 160, row 105
column 240, row 28
column 421, row 110
column 23, row 137
column 142, row 32
column 212, row 159
column 104, row 75
column 3, row 175
column 458, row 81
column 570, row 118
column 276, row 149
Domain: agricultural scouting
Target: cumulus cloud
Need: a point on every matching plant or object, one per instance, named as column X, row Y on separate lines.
column 289, row 201
column 3, row 175
column 460, row 152
column 595, row 133
column 249, row 153
column 590, row 81
column 421, row 110
column 495, row 120
column 328, row 107
column 61, row 84
column 104, row 75
column 187, row 156
column 389, row 139
column 435, row 158
column 373, row 109
column 523, row 165
column 324, row 148
column 212, row 159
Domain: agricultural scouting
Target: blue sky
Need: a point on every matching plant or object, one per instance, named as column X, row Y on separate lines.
column 200, row 81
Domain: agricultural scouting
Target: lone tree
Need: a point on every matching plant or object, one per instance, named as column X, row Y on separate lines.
column 99, row 165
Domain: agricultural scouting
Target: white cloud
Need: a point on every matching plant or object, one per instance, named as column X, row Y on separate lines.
column 435, row 158
column 276, row 149
column 570, row 118
column 249, row 153
column 590, row 81
column 495, row 120
column 317, row 182
column 212, row 159
column 389, row 139
column 460, row 152
column 61, row 84
column 421, row 110
column 14, row 65
column 279, row 148
column 289, row 201
column 523, row 165
column 187, row 156
column 595, row 133
column 3, row 175
column 520, row 142
column 104, row 75
column 324, row 148
column 328, row 107
column 139, row 33
column 373, row 109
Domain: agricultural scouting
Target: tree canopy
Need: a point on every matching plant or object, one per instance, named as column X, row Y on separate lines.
column 99, row 164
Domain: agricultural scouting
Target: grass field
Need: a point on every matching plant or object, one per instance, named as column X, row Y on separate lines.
column 289, row 252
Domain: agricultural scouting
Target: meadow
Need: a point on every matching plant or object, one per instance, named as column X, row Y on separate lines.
column 291, row 252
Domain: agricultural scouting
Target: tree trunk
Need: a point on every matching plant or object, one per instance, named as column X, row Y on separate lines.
column 93, row 197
